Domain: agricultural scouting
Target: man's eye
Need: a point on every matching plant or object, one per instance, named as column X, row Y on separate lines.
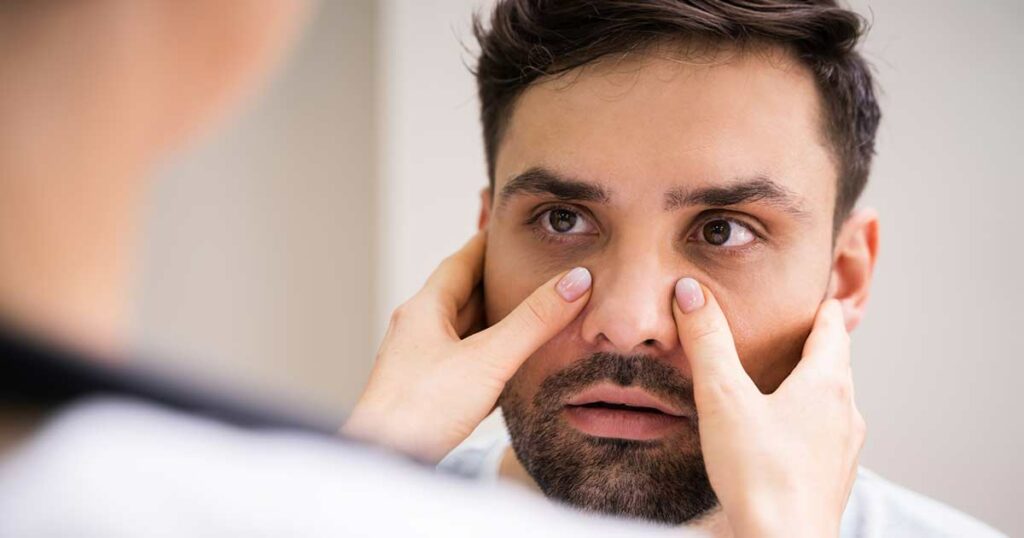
column 725, row 233
column 561, row 221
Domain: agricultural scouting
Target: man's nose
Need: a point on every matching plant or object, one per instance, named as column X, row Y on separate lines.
column 630, row 309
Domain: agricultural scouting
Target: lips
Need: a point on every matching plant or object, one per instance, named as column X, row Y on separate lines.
column 616, row 412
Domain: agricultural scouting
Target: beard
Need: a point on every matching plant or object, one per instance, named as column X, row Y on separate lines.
column 662, row 480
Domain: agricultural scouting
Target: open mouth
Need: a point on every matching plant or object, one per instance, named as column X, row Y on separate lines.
column 620, row 407
column 616, row 412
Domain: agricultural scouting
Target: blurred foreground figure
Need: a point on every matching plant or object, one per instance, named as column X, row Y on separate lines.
column 94, row 94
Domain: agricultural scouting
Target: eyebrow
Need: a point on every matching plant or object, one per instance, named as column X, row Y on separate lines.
column 758, row 189
column 542, row 181
column 539, row 180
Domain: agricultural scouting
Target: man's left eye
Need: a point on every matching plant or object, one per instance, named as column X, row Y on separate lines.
column 725, row 233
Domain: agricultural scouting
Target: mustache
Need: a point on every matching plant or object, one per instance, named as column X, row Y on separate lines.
column 642, row 371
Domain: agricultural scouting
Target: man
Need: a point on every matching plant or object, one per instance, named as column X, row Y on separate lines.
column 97, row 93
column 722, row 142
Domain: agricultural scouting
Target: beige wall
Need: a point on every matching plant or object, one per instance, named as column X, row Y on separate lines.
column 266, row 242
column 260, row 254
column 431, row 155
column 938, row 365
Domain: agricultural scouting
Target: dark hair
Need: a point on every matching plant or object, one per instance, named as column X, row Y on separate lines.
column 530, row 39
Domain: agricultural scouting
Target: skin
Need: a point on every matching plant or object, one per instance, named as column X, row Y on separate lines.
column 639, row 127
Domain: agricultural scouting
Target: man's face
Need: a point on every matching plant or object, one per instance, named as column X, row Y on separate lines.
column 644, row 170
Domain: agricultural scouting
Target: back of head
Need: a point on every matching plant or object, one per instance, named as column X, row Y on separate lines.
column 159, row 70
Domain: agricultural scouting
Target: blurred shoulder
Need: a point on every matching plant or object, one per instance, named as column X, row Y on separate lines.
column 879, row 508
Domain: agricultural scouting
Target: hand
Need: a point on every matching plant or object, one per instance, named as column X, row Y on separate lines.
column 782, row 464
column 430, row 387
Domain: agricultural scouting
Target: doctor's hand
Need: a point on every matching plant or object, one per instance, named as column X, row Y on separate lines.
column 782, row 464
column 432, row 384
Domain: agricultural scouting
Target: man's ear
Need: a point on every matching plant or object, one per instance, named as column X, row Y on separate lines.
column 853, row 264
column 485, row 208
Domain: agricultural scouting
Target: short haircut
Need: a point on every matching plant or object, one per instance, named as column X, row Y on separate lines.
column 530, row 39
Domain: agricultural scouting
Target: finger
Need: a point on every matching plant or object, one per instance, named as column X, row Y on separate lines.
column 548, row 310
column 471, row 316
column 707, row 341
column 827, row 349
column 452, row 283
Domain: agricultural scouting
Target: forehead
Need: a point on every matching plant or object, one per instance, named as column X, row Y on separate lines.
column 653, row 121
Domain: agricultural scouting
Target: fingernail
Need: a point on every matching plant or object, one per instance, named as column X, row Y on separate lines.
column 574, row 284
column 689, row 295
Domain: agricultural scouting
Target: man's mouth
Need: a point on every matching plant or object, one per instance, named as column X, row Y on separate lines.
column 617, row 412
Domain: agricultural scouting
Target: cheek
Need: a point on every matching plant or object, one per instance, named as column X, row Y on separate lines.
column 510, row 275
column 507, row 281
column 770, row 323
column 771, row 310
column 771, row 347
column 512, row 271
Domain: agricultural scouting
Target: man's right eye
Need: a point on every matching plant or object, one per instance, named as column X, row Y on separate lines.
column 564, row 221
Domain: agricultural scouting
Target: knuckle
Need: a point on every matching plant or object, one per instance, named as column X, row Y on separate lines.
column 704, row 331
column 401, row 314
column 836, row 386
column 491, row 368
column 720, row 389
column 859, row 424
column 858, row 436
column 397, row 315
column 725, row 389
column 842, row 389
column 536, row 313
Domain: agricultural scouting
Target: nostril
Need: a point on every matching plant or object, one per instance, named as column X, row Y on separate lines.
column 650, row 342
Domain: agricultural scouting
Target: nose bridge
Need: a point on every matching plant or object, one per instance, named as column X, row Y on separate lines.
column 630, row 307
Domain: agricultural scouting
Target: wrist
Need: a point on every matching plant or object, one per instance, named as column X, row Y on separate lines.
column 764, row 518
column 379, row 427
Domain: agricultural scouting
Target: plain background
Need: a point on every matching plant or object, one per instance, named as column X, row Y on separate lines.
column 276, row 249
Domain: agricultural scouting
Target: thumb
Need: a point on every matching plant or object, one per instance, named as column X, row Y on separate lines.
column 548, row 310
column 718, row 376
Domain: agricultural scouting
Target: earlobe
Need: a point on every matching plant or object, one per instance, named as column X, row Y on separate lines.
column 485, row 208
column 853, row 264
